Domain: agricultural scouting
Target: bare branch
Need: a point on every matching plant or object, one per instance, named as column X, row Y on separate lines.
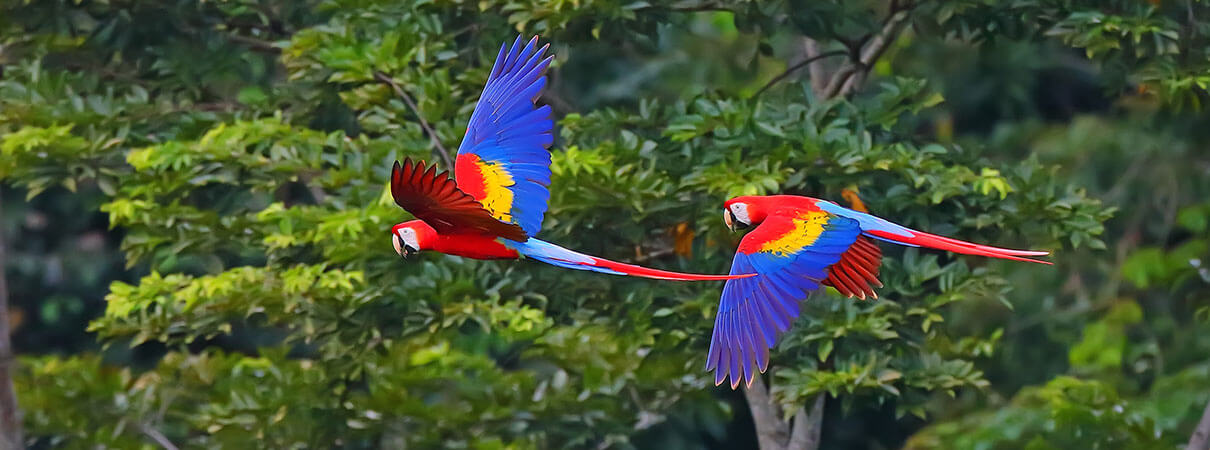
column 700, row 8
column 641, row 257
column 10, row 414
column 438, row 149
column 158, row 437
column 256, row 44
column 838, row 80
column 795, row 67
column 875, row 49
column 850, row 77
column 1201, row 435
column 557, row 103
column 690, row 7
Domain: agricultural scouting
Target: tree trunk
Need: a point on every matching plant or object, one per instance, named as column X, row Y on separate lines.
column 818, row 74
column 808, row 428
column 10, row 415
column 773, row 433
column 1201, row 435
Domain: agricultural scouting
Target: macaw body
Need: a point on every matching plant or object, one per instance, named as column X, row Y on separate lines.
column 496, row 205
column 487, row 246
column 798, row 245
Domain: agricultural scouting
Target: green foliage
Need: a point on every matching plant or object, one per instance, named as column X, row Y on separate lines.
column 1128, row 327
column 1173, row 267
column 1070, row 412
column 241, row 148
column 1104, row 341
column 1159, row 46
column 230, row 396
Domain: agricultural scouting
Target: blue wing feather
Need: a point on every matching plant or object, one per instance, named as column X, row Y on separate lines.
column 509, row 132
column 754, row 311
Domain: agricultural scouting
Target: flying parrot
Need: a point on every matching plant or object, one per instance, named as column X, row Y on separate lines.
column 798, row 245
column 502, row 172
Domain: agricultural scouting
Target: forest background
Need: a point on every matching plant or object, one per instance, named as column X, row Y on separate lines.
column 195, row 224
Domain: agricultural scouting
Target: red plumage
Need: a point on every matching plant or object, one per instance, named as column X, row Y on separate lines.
column 922, row 239
column 508, row 134
column 856, row 274
column 434, row 198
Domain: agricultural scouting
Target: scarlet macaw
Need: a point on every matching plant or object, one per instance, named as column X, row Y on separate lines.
column 503, row 170
column 799, row 244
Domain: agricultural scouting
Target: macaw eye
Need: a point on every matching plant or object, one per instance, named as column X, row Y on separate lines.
column 739, row 213
column 409, row 240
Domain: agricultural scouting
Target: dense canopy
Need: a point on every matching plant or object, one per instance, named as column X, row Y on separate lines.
column 196, row 215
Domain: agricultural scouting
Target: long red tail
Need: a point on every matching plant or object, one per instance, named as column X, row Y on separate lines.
column 929, row 240
column 640, row 271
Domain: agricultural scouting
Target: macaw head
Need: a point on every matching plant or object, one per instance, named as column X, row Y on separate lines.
column 743, row 212
column 412, row 237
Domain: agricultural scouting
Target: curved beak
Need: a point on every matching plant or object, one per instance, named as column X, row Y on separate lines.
column 401, row 249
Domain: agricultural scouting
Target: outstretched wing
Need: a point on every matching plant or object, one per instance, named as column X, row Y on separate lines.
column 791, row 255
column 503, row 160
column 434, row 198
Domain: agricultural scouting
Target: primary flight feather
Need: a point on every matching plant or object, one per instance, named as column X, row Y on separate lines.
column 502, row 175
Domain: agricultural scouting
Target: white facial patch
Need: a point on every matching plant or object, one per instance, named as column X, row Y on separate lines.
column 409, row 238
column 740, row 211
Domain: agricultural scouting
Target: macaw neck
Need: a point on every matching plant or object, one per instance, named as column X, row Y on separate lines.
column 476, row 246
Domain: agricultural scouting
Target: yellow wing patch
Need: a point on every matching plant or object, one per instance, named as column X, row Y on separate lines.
column 807, row 228
column 497, row 197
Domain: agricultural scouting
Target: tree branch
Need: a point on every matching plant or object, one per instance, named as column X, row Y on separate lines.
column 256, row 44
column 850, row 77
column 688, row 7
column 641, row 257
column 550, row 96
column 1201, row 435
column 10, row 414
column 838, row 80
column 875, row 49
column 158, row 437
column 438, row 149
column 700, row 8
column 795, row 67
